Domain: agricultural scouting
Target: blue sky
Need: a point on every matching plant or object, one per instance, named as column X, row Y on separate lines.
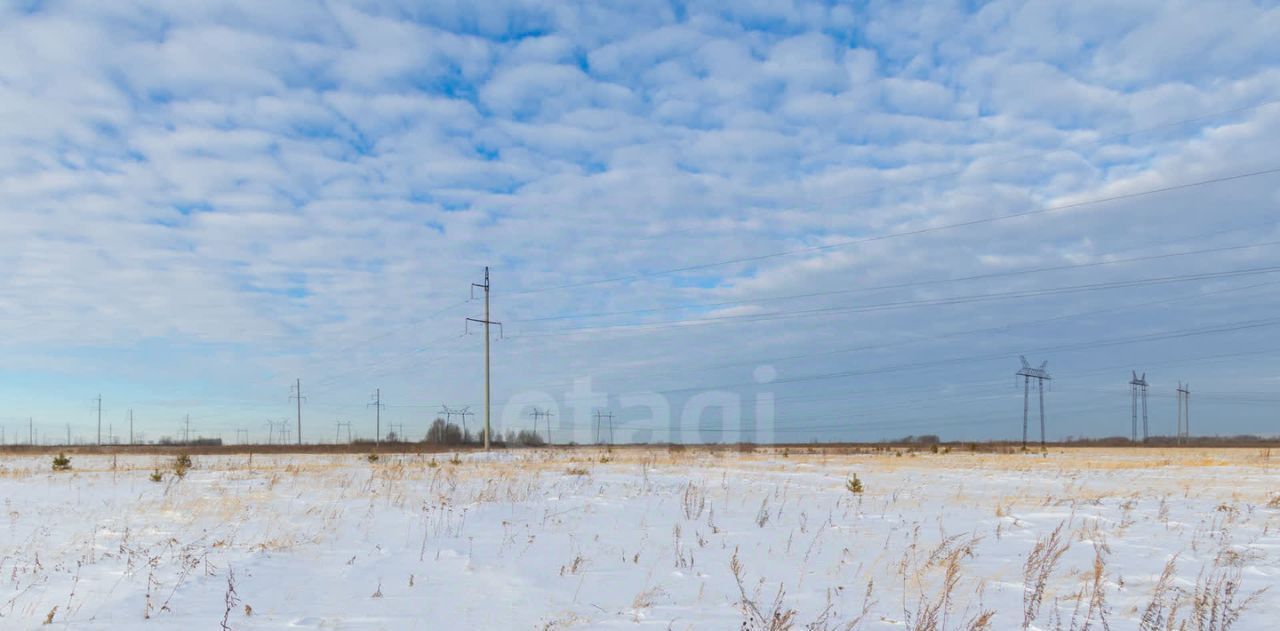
column 200, row 203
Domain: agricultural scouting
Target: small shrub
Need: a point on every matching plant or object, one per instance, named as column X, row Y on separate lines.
column 61, row 462
column 181, row 464
column 853, row 485
column 371, row 457
column 156, row 476
column 432, row 463
column 577, row 471
column 455, row 459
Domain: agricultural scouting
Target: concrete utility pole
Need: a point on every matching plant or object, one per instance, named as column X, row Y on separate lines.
column 377, row 422
column 297, row 394
column 188, row 430
column 130, row 426
column 31, row 431
column 486, row 322
column 99, row 419
column 68, row 434
column 1040, row 375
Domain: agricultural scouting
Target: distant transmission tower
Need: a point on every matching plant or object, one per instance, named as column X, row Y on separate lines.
column 603, row 416
column 398, row 434
column 1040, row 375
column 242, row 435
column 462, row 413
column 547, row 414
column 377, row 406
column 1184, row 412
column 337, row 435
column 297, row 395
column 1138, row 390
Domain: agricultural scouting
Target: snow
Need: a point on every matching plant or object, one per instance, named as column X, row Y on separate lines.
column 559, row 539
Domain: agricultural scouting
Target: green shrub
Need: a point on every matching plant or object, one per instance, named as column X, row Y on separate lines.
column 371, row 457
column 61, row 462
column 156, row 476
column 181, row 464
column 853, row 484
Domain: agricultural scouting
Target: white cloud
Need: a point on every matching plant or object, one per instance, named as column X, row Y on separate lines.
column 285, row 182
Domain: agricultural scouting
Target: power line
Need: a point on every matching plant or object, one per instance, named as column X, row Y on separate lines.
column 1105, row 342
column 903, row 304
column 950, row 334
column 919, row 283
column 906, row 233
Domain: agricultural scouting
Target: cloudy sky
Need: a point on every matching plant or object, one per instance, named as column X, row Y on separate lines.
column 872, row 209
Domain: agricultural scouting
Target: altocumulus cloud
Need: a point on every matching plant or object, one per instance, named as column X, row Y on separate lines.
column 202, row 201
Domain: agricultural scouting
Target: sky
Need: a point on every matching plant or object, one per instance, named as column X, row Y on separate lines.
column 817, row 221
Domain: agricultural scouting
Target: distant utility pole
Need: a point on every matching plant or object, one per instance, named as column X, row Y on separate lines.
column 1184, row 412
column 31, row 431
column 68, row 434
column 271, row 431
column 543, row 414
column 99, row 419
column 130, row 426
column 377, row 422
column 604, row 416
column 1138, row 390
column 188, row 430
column 297, row 394
column 486, row 322
column 1040, row 375
column 284, row 431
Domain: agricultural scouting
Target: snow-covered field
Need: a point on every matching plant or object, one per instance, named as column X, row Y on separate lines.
column 686, row 540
